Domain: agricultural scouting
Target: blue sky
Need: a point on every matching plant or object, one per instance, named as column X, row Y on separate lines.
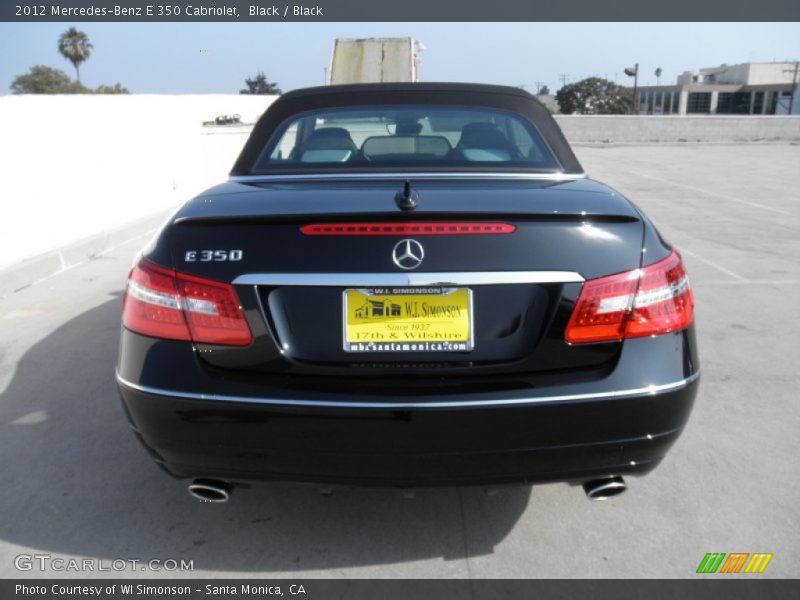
column 216, row 57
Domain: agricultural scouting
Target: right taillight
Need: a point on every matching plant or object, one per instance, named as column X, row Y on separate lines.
column 649, row 301
column 163, row 303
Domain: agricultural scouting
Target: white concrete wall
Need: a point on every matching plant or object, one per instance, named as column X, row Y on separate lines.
column 75, row 166
column 770, row 73
column 625, row 129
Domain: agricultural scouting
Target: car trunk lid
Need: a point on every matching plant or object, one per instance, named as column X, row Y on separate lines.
column 516, row 287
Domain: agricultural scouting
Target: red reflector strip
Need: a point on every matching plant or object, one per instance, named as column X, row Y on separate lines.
column 416, row 228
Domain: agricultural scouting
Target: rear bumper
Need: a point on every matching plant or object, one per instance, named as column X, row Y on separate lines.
column 502, row 444
column 623, row 424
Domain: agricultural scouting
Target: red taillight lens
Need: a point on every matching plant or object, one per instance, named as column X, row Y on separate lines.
column 212, row 312
column 664, row 301
column 165, row 304
column 602, row 308
column 650, row 301
column 416, row 228
column 152, row 305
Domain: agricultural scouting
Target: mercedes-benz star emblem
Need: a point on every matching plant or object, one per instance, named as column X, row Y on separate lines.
column 408, row 254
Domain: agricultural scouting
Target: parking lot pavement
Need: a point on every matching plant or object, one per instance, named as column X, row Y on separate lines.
column 77, row 484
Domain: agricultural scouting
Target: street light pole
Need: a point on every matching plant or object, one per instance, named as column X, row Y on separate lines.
column 634, row 72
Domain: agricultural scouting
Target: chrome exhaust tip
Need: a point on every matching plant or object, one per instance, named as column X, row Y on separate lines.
column 210, row 490
column 603, row 489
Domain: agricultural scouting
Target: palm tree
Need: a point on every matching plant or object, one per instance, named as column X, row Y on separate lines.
column 74, row 45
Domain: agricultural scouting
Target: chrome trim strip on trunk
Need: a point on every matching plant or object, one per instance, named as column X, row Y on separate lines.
column 409, row 279
column 629, row 393
column 401, row 176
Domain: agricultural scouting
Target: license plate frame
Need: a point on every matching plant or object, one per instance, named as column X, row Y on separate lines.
column 446, row 344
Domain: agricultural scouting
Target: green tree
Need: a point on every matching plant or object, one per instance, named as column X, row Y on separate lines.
column 117, row 88
column 260, row 85
column 74, row 45
column 47, row 80
column 595, row 96
column 44, row 80
column 543, row 91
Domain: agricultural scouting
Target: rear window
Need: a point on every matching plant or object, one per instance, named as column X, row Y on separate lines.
column 406, row 137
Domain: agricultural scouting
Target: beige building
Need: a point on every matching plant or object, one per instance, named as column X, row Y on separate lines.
column 744, row 89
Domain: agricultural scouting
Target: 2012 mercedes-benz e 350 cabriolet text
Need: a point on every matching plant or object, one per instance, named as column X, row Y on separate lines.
column 408, row 285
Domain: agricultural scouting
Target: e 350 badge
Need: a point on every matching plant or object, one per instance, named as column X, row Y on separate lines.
column 213, row 256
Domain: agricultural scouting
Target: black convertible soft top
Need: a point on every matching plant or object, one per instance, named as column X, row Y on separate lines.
column 506, row 98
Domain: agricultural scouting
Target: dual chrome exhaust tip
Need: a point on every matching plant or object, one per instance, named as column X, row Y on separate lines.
column 211, row 490
column 603, row 489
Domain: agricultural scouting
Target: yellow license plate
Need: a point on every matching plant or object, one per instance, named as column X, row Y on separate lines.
column 408, row 320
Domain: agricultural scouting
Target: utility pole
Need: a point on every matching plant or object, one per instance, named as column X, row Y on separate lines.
column 794, row 87
column 563, row 77
column 539, row 85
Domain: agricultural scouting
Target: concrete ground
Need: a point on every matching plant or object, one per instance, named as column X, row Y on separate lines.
column 77, row 484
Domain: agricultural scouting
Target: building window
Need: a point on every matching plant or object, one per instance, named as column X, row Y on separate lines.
column 658, row 103
column 772, row 103
column 699, row 103
column 646, row 106
column 758, row 103
column 733, row 103
column 784, row 102
column 676, row 103
column 741, row 103
column 725, row 103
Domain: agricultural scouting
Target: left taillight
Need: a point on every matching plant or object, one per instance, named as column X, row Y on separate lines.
column 653, row 300
column 165, row 304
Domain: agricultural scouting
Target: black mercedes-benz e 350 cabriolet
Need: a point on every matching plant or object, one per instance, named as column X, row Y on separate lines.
column 408, row 285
